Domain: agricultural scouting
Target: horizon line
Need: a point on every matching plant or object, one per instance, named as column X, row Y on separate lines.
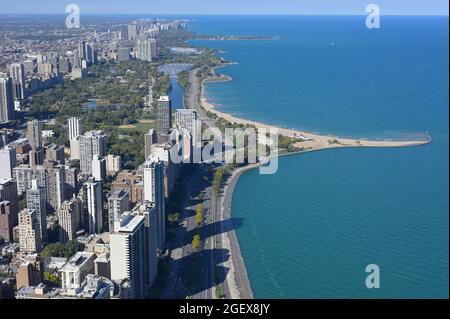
column 229, row 14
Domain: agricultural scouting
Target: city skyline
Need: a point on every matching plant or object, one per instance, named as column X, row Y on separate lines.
column 222, row 7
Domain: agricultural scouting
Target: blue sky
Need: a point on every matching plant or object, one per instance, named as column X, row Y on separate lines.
column 391, row 7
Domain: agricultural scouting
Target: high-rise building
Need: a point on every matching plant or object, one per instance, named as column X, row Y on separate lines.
column 82, row 50
column 69, row 215
column 164, row 115
column 154, row 192
column 91, row 143
column 55, row 187
column 149, row 139
column 6, row 221
column 17, row 72
column 145, row 50
column 10, row 208
column 127, row 253
column 74, row 128
column 187, row 119
column 29, row 233
column 64, row 65
column 91, row 53
column 123, row 54
column 113, row 164
column 94, row 205
column 75, row 148
column 55, row 153
column 148, row 210
column 70, row 181
column 6, row 99
column 36, row 201
column 132, row 32
column 8, row 162
column 50, row 178
column 45, row 68
column 99, row 168
column 28, row 66
column 34, row 134
column 118, row 203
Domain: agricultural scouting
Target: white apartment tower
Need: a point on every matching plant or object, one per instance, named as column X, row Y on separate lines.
column 127, row 253
column 154, row 193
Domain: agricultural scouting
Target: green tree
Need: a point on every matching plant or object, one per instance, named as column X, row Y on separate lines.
column 51, row 279
column 199, row 214
column 62, row 250
column 196, row 241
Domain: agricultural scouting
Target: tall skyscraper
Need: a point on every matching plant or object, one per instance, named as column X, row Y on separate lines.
column 8, row 193
column 17, row 72
column 8, row 162
column 34, row 134
column 29, row 234
column 74, row 128
column 91, row 143
column 149, row 139
column 6, row 99
column 144, row 50
column 82, row 50
column 164, row 115
column 70, row 181
column 68, row 219
column 187, row 119
column 36, row 201
column 123, row 54
column 91, row 53
column 55, row 187
column 154, row 192
column 55, row 153
column 7, row 220
column 127, row 253
column 118, row 203
column 94, row 206
column 132, row 32
column 99, row 168
column 148, row 210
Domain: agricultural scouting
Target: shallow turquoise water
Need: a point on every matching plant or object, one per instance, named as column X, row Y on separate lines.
column 309, row 230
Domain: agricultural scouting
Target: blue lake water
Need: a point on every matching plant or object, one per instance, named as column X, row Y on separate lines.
column 310, row 230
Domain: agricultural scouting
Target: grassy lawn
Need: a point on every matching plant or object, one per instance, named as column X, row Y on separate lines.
column 142, row 126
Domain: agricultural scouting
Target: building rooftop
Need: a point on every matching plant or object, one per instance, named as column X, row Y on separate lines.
column 77, row 261
column 128, row 223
